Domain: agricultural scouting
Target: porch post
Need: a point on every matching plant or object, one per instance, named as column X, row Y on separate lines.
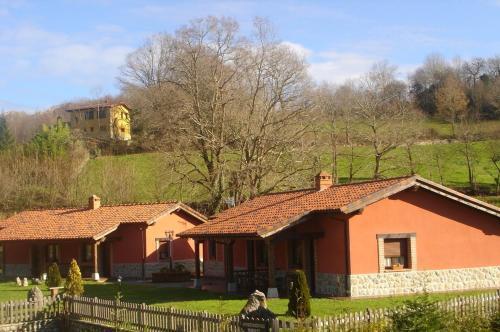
column 228, row 258
column 197, row 278
column 95, row 273
column 272, row 290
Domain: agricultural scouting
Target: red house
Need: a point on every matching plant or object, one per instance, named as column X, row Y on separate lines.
column 130, row 240
column 383, row 237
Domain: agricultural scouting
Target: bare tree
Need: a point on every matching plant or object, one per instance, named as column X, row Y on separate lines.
column 382, row 109
column 273, row 117
column 451, row 101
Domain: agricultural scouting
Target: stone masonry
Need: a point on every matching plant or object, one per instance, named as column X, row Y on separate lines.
column 331, row 284
column 406, row 282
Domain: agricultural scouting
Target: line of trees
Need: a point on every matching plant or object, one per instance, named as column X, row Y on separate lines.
column 237, row 115
column 244, row 118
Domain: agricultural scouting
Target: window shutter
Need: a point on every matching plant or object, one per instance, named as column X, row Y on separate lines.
column 395, row 247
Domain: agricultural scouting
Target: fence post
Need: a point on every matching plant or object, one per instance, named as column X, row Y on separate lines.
column 275, row 325
column 200, row 320
column 1, row 313
column 142, row 317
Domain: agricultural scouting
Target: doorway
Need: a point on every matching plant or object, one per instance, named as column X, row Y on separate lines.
column 104, row 259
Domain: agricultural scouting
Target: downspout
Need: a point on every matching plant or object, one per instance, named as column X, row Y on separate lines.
column 143, row 247
column 347, row 258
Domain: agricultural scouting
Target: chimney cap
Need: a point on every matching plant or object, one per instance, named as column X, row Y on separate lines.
column 94, row 202
column 323, row 180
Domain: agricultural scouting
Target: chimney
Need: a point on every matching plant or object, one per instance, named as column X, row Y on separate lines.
column 322, row 181
column 94, row 202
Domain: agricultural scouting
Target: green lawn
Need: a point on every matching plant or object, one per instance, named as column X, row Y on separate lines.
column 191, row 299
column 148, row 176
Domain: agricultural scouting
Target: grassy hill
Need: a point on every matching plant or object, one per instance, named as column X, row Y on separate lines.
column 149, row 176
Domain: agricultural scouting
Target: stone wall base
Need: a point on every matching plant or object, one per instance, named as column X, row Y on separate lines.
column 134, row 270
column 18, row 270
column 409, row 282
column 331, row 284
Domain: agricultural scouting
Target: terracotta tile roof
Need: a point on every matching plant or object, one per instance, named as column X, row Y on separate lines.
column 78, row 223
column 263, row 214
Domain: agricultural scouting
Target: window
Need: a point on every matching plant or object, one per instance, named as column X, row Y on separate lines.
column 52, row 253
column 260, row 253
column 2, row 254
column 92, row 129
column 212, row 249
column 103, row 113
column 395, row 253
column 89, row 115
column 295, row 253
column 164, row 250
column 87, row 252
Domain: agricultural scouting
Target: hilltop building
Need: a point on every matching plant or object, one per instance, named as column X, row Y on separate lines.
column 102, row 122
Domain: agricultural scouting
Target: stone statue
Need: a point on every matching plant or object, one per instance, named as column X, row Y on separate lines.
column 25, row 282
column 35, row 295
column 256, row 307
column 18, row 281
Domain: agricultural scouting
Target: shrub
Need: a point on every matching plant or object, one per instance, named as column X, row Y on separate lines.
column 35, row 295
column 419, row 314
column 495, row 322
column 54, row 278
column 74, row 283
column 299, row 300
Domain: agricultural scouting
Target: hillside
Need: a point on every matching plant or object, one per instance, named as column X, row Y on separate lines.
column 149, row 176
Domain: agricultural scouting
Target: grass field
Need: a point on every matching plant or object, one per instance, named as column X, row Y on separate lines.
column 192, row 299
column 148, row 177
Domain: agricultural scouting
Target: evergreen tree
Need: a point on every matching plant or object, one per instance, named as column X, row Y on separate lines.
column 299, row 301
column 6, row 139
column 74, row 283
column 54, row 278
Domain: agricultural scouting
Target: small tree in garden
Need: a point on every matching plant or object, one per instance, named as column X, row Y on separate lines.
column 54, row 278
column 419, row 314
column 299, row 303
column 74, row 283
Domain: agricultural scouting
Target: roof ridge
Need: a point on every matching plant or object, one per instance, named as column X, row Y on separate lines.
column 339, row 185
column 85, row 207
column 372, row 181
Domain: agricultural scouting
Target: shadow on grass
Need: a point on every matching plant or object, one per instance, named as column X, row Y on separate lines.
column 150, row 294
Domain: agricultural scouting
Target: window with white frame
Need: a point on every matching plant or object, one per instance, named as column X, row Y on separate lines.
column 397, row 252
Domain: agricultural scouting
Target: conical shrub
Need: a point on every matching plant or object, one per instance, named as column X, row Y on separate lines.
column 74, row 282
column 54, row 278
column 299, row 300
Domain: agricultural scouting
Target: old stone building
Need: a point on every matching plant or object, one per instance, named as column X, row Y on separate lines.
column 102, row 122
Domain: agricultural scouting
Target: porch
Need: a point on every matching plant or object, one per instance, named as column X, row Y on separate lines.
column 93, row 257
column 267, row 262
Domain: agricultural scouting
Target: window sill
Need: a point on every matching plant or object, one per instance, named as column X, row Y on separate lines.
column 398, row 271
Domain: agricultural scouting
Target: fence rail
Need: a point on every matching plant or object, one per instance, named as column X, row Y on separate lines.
column 14, row 312
column 142, row 317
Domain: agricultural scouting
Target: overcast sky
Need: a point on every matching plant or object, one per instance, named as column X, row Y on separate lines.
column 56, row 51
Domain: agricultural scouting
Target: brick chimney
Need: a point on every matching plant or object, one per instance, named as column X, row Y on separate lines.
column 322, row 181
column 94, row 202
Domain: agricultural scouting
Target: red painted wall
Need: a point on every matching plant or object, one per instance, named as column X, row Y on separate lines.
column 17, row 252
column 127, row 244
column 448, row 234
column 176, row 222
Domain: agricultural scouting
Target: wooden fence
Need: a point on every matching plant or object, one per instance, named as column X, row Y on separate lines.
column 142, row 317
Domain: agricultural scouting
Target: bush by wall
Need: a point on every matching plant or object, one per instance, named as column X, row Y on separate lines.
column 54, row 278
column 299, row 303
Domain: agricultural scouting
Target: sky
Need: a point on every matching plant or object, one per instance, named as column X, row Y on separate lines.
column 57, row 51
